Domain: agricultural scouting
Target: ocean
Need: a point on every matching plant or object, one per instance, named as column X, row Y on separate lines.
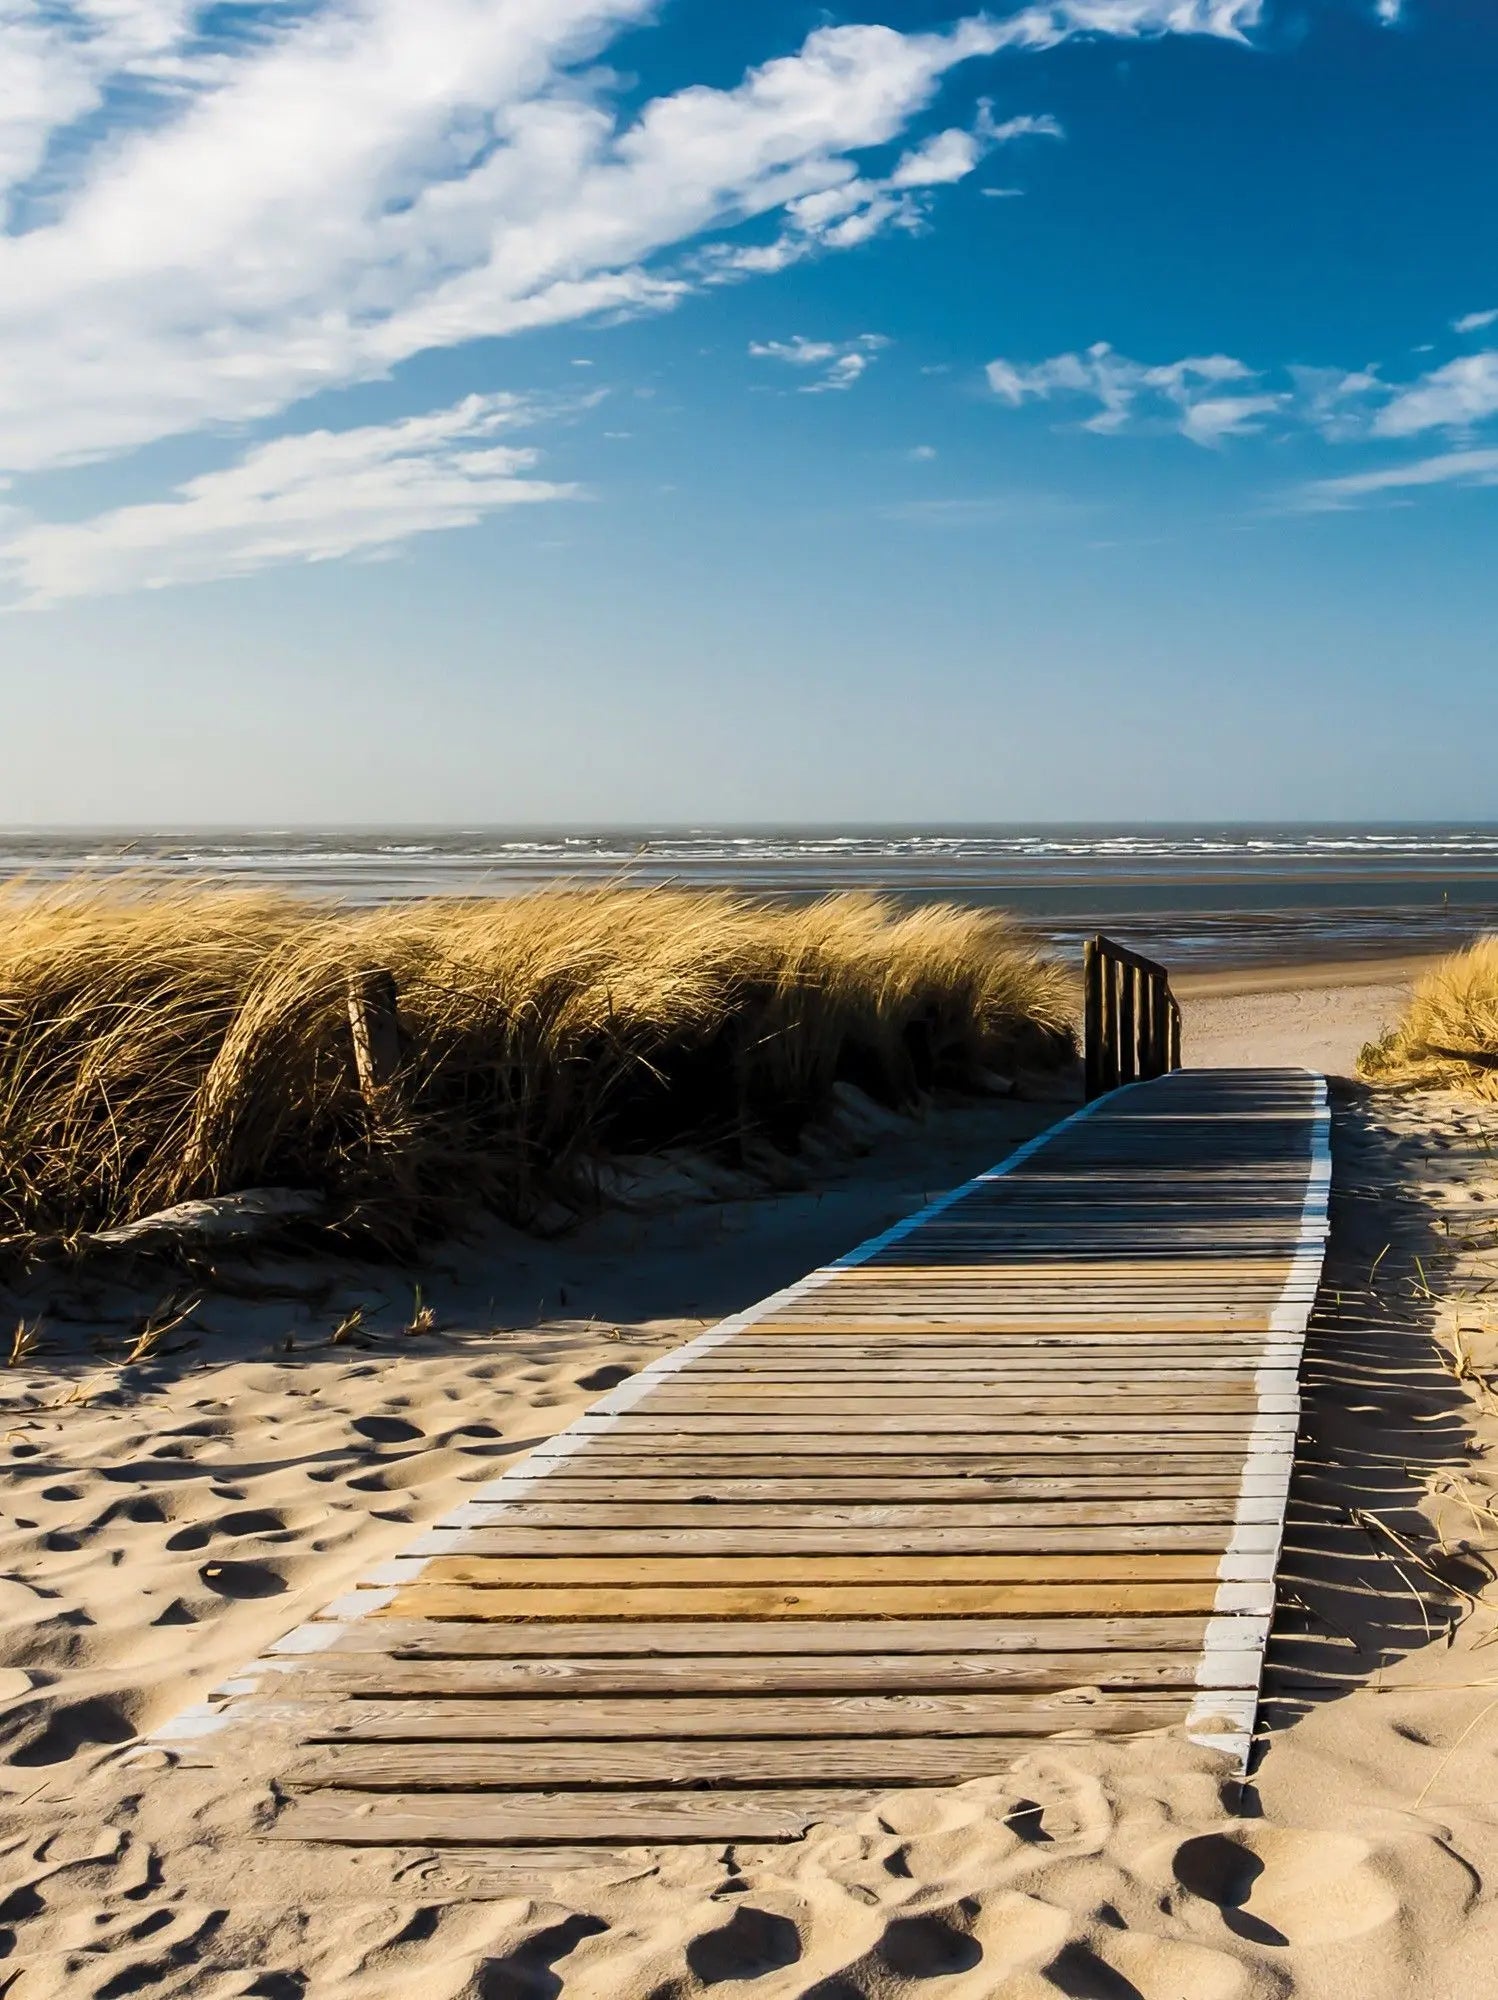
column 1196, row 896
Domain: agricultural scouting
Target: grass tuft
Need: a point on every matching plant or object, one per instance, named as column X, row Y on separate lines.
column 1449, row 1033
column 164, row 1044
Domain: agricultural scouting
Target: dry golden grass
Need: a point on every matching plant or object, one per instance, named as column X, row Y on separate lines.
column 1449, row 1033
column 158, row 1045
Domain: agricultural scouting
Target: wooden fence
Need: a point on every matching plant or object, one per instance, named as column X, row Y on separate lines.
column 1132, row 1023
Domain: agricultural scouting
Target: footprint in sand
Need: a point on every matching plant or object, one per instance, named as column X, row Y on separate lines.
column 242, row 1579
column 386, row 1430
column 752, row 1943
column 1281, row 1886
column 930, row 1947
column 607, row 1377
column 1163, row 1969
column 63, row 1729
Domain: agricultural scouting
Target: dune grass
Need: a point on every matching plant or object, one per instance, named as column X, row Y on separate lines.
column 1449, row 1032
column 158, row 1045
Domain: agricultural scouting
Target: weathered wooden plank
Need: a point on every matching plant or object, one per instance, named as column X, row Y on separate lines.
column 616, row 1514
column 788, row 1570
column 497, row 1819
column 1179, row 1457
column 417, row 1638
column 681, row 1451
column 578, row 1718
column 563, row 1546
column 436, row 1767
column 1215, row 1479
column 1105, row 1598
column 1168, row 1414
column 490, row 1675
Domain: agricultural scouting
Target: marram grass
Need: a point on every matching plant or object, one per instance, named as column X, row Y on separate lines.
column 160, row 1044
column 1449, row 1031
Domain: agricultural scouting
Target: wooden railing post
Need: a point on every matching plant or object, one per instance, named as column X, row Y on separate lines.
column 1092, row 1016
column 1108, row 1050
column 1128, row 1034
column 1131, row 1022
column 1160, row 1027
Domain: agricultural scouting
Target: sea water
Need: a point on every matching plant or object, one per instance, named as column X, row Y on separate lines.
column 1198, row 895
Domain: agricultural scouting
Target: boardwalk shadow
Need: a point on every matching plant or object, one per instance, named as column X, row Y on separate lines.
column 1360, row 1580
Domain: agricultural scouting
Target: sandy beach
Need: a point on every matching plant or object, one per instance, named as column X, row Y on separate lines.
column 167, row 1518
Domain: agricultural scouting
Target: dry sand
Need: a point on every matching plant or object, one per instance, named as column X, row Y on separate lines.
column 164, row 1520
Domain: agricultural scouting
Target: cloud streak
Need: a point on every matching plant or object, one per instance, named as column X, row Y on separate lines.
column 302, row 499
column 1452, row 468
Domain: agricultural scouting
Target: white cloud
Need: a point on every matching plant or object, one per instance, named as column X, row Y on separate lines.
column 1463, row 392
column 1186, row 395
column 1464, row 468
column 922, row 453
column 218, row 220
column 840, row 362
column 1475, row 322
column 1337, row 402
column 298, row 499
column 1389, row 12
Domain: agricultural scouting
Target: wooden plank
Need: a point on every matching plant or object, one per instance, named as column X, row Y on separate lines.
column 613, row 1515
column 787, row 1571
column 564, row 1546
column 753, row 1454
column 423, row 1639
column 490, row 1819
column 580, row 1718
column 932, row 1760
column 638, row 1481
column 991, row 1462
column 657, row 1673
column 1176, row 1413
column 1108, row 1597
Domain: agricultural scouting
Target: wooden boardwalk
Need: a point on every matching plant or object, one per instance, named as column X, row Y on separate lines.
column 1014, row 1469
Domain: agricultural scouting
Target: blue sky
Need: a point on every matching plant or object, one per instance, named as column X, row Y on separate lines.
column 486, row 410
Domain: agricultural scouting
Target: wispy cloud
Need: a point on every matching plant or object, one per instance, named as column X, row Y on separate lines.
column 1192, row 395
column 1452, row 468
column 1213, row 398
column 1462, row 393
column 299, row 499
column 195, row 238
column 1475, row 322
column 839, row 363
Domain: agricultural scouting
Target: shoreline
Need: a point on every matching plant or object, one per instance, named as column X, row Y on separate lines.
column 1294, row 975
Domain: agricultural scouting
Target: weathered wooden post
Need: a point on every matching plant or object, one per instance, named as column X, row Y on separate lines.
column 1092, row 1017
column 1159, row 1027
column 1128, row 1029
column 375, row 1028
column 1110, row 1021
